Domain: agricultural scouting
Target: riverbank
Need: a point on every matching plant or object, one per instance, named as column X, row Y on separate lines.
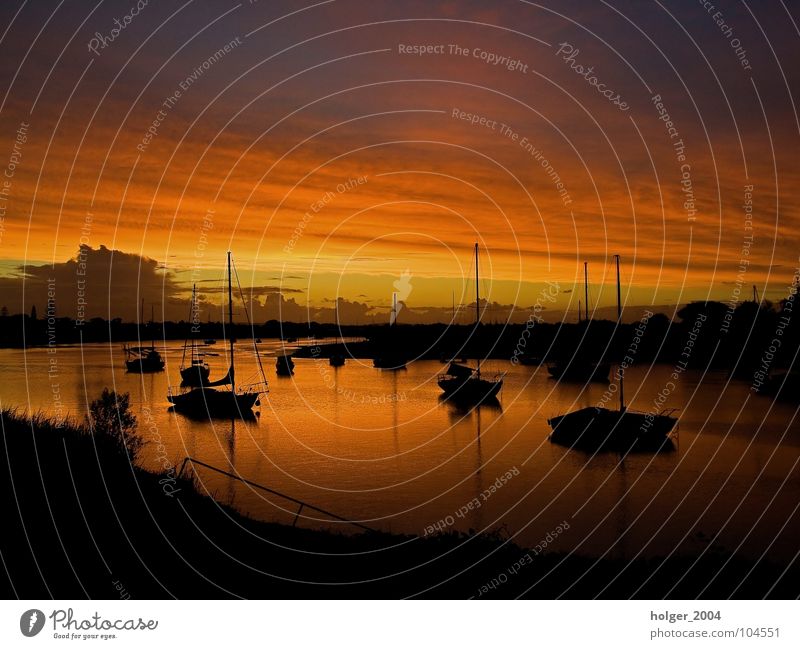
column 83, row 521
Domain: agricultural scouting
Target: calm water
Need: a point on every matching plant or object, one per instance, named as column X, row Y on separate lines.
column 380, row 447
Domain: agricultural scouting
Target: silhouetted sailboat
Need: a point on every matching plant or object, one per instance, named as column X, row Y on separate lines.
column 206, row 401
column 597, row 428
column 576, row 368
column 465, row 383
column 390, row 355
column 196, row 373
column 337, row 358
column 144, row 360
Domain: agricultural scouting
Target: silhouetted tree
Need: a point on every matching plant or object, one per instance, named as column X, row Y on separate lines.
column 111, row 415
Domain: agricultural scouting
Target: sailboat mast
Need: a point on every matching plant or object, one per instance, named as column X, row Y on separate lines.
column 477, row 307
column 619, row 322
column 586, row 290
column 230, row 322
column 153, row 326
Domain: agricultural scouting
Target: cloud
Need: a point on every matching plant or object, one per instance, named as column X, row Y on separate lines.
column 94, row 283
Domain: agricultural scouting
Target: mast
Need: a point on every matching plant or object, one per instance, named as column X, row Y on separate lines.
column 192, row 323
column 230, row 322
column 153, row 327
column 477, row 307
column 619, row 322
column 586, row 289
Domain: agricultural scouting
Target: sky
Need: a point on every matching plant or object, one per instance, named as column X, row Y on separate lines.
column 345, row 151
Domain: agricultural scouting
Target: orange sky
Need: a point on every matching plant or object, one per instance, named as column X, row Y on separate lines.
column 277, row 126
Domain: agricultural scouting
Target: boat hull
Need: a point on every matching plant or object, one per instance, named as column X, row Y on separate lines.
column 470, row 389
column 603, row 429
column 144, row 366
column 389, row 363
column 208, row 402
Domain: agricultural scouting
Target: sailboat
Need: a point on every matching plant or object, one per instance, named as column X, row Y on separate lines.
column 144, row 360
column 391, row 355
column 462, row 382
column 336, row 357
column 206, row 401
column 196, row 373
column 578, row 369
column 596, row 428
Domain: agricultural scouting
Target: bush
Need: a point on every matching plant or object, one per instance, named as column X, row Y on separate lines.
column 111, row 415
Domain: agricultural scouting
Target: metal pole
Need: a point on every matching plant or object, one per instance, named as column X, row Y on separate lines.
column 477, row 308
column 230, row 322
column 619, row 322
column 586, row 289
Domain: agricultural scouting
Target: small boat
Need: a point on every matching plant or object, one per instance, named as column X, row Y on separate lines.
column 623, row 430
column 196, row 373
column 599, row 429
column 389, row 356
column 208, row 402
column 390, row 360
column 284, row 365
column 528, row 359
column 336, row 359
column 258, row 340
column 209, row 341
column 463, row 383
column 143, row 360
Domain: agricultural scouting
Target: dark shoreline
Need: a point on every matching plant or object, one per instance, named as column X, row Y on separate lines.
column 709, row 335
column 94, row 523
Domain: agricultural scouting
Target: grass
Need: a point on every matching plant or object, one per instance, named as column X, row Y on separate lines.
column 82, row 520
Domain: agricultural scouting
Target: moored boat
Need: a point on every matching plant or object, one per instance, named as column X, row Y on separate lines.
column 207, row 401
column 464, row 383
column 598, row 428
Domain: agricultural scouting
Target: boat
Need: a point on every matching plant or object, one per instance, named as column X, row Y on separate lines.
column 143, row 360
column 196, row 373
column 463, row 383
column 390, row 356
column 284, row 365
column 207, row 401
column 336, row 358
column 530, row 360
column 578, row 369
column 209, row 341
column 599, row 429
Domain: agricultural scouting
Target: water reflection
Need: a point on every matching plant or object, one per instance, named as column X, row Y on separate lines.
column 382, row 448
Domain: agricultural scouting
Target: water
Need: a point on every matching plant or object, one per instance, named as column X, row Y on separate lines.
column 382, row 448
